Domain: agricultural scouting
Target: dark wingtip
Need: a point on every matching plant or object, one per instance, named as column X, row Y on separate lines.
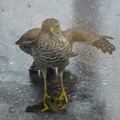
column 109, row 37
column 104, row 37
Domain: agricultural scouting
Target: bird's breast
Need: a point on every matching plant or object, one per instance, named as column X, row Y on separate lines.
column 52, row 50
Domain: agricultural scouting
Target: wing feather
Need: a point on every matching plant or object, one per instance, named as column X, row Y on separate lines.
column 29, row 37
column 77, row 34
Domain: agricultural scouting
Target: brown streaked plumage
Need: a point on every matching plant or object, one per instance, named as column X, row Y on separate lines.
column 52, row 47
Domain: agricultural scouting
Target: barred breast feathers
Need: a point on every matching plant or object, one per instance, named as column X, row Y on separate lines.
column 53, row 42
column 52, row 48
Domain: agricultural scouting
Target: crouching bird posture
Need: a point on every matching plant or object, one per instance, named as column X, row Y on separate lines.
column 51, row 47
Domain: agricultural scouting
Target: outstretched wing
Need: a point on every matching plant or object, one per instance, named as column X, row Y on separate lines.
column 27, row 39
column 77, row 34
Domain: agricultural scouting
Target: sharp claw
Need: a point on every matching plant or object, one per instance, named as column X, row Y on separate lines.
column 63, row 96
column 37, row 107
column 55, row 103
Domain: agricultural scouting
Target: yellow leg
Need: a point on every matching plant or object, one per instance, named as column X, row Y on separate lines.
column 45, row 86
column 63, row 94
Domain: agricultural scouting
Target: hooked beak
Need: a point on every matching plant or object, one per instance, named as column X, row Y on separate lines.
column 51, row 29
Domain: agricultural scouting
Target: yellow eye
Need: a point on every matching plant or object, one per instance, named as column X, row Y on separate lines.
column 57, row 27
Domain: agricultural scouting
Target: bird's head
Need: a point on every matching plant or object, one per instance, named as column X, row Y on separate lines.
column 51, row 25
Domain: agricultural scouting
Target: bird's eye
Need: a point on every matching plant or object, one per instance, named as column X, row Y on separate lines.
column 57, row 27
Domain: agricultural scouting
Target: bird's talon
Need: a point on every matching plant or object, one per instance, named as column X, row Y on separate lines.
column 46, row 96
column 37, row 107
column 63, row 96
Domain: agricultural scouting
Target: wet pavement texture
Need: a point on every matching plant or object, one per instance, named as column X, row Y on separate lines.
column 92, row 80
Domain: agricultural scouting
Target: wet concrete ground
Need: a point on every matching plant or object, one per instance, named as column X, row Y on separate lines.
column 92, row 80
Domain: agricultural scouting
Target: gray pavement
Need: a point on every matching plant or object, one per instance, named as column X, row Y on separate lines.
column 92, row 80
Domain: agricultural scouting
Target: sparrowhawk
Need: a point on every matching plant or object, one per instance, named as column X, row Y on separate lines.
column 51, row 47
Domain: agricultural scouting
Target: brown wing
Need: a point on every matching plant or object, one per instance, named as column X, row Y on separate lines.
column 28, row 39
column 77, row 34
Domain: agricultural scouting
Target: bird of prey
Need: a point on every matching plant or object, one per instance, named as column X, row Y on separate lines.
column 51, row 47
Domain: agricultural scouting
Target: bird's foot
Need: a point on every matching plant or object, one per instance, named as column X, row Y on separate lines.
column 37, row 107
column 48, row 103
column 63, row 96
column 40, row 106
column 46, row 96
column 60, row 100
